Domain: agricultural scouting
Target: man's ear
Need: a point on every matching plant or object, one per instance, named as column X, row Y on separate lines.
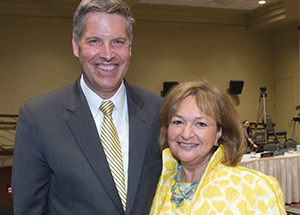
column 75, row 47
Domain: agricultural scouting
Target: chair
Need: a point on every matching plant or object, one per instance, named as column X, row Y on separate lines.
column 259, row 138
column 272, row 147
column 271, row 131
column 290, row 144
column 278, row 133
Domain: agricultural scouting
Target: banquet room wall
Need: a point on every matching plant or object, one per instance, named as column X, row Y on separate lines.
column 286, row 80
column 37, row 57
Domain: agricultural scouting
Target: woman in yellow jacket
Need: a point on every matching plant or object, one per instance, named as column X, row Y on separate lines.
column 202, row 142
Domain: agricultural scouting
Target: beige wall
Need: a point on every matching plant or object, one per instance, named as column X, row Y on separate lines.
column 37, row 58
column 174, row 55
column 34, row 60
column 286, row 78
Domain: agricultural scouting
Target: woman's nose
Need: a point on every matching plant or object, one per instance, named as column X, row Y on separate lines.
column 187, row 132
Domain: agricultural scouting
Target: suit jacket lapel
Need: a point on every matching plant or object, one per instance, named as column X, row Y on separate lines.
column 82, row 126
column 137, row 135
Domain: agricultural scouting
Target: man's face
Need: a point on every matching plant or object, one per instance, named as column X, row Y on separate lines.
column 104, row 52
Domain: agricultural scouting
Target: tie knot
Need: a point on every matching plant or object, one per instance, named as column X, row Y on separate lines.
column 107, row 107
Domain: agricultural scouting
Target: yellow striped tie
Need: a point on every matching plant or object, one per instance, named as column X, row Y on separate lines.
column 112, row 149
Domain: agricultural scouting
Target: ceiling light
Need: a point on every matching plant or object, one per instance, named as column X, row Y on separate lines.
column 262, row 2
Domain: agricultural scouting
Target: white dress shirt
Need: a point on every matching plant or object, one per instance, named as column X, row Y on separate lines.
column 119, row 115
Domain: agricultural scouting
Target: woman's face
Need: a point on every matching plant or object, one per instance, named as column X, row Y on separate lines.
column 191, row 134
column 246, row 124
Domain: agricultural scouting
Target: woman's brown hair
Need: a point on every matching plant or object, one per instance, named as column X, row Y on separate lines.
column 213, row 103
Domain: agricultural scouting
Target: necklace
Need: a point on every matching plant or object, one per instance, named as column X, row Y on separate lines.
column 188, row 193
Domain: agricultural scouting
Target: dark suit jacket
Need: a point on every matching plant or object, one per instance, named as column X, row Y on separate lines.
column 59, row 165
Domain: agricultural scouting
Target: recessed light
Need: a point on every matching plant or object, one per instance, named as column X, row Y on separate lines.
column 262, row 2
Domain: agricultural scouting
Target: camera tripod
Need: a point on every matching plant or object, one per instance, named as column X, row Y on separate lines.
column 267, row 120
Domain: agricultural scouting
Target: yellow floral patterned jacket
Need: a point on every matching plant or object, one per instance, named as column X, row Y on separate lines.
column 222, row 190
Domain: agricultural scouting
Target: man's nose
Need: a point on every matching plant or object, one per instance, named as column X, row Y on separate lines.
column 107, row 52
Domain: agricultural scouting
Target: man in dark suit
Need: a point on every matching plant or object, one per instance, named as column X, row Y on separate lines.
column 60, row 166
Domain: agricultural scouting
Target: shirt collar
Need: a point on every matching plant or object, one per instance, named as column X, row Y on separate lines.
column 170, row 164
column 94, row 101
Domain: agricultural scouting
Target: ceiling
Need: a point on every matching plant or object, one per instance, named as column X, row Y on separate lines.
column 273, row 16
column 226, row 4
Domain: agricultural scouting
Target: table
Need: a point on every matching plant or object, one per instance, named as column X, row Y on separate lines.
column 285, row 168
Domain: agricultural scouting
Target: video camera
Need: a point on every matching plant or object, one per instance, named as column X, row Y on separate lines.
column 264, row 89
